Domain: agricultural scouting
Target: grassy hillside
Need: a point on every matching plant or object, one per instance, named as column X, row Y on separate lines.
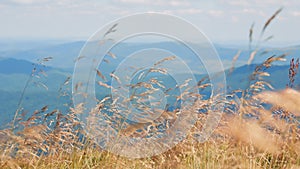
column 259, row 125
column 50, row 136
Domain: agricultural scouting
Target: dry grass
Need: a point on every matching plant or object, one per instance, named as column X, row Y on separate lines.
column 266, row 141
column 267, row 138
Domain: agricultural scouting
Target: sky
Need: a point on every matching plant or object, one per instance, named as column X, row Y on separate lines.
column 222, row 21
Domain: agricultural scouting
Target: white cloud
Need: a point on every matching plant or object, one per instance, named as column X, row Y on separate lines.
column 174, row 3
column 184, row 11
column 179, row 3
column 140, row 2
column 189, row 11
column 215, row 13
column 134, row 1
column 168, row 12
column 33, row 3
column 235, row 19
column 82, row 17
column 256, row 3
column 250, row 11
column 237, row 3
column 295, row 13
column 26, row 1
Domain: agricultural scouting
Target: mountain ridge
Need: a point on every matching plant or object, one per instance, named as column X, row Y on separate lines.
column 64, row 55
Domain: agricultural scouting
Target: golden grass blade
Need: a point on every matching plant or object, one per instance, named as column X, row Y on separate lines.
column 79, row 58
column 104, row 85
column 67, row 81
column 115, row 77
column 235, row 58
column 252, row 55
column 269, row 38
column 253, row 134
column 112, row 55
column 163, row 60
column 100, row 75
column 46, row 59
column 111, row 30
column 45, row 108
column 270, row 20
column 288, row 99
column 251, row 35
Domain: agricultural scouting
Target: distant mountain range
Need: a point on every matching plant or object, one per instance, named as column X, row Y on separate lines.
column 64, row 55
column 46, row 87
column 15, row 73
column 15, row 66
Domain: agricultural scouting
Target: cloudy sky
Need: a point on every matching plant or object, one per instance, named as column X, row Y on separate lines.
column 224, row 21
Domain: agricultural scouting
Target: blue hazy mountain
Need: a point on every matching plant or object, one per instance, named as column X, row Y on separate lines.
column 46, row 88
column 15, row 66
column 65, row 54
column 36, row 96
column 8, row 44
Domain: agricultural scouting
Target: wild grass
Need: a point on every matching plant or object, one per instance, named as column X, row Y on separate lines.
column 259, row 129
